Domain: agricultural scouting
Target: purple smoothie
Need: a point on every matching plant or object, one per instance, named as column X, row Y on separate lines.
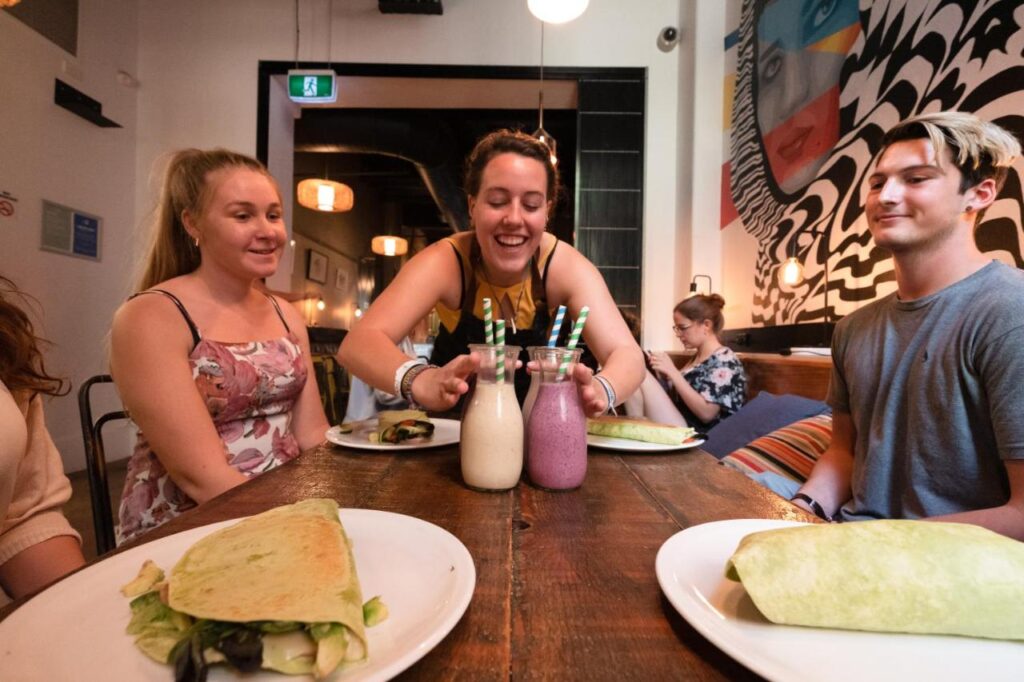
column 557, row 437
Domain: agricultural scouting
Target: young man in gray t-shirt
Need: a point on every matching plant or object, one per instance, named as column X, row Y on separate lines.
column 928, row 383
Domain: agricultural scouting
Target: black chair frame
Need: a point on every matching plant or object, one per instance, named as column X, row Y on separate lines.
column 96, row 463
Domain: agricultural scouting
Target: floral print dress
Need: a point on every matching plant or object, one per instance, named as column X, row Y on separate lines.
column 719, row 379
column 249, row 389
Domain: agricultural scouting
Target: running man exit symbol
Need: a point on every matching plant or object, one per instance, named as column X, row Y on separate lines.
column 309, row 86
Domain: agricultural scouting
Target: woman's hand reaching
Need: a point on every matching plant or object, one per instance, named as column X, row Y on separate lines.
column 439, row 388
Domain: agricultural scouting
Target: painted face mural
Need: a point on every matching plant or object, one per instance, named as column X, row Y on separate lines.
column 801, row 45
column 817, row 84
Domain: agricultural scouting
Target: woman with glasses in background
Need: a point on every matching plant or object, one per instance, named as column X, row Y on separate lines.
column 709, row 387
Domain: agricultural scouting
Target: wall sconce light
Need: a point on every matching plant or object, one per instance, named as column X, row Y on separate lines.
column 321, row 194
column 557, row 11
column 320, row 305
column 693, row 283
column 388, row 245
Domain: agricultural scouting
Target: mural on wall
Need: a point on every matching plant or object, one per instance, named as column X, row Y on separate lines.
column 817, row 84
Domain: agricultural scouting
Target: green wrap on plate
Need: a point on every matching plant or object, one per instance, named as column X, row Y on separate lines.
column 890, row 576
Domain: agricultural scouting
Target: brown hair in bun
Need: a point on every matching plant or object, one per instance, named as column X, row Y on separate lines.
column 700, row 307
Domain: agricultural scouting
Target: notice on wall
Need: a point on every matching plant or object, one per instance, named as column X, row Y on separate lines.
column 70, row 231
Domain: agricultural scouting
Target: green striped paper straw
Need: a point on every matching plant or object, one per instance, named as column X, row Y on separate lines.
column 499, row 342
column 556, row 327
column 574, row 338
column 488, row 323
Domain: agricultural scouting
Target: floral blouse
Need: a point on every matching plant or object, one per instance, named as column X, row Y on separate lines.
column 249, row 389
column 719, row 379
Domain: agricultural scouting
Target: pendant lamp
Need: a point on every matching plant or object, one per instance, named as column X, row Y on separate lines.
column 557, row 11
column 321, row 194
column 389, row 245
column 541, row 134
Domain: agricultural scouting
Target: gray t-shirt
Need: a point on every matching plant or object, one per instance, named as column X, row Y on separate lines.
column 935, row 390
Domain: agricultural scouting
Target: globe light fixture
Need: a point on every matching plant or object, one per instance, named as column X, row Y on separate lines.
column 557, row 11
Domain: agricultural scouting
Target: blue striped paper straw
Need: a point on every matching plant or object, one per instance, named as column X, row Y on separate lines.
column 499, row 342
column 488, row 323
column 556, row 327
column 574, row 338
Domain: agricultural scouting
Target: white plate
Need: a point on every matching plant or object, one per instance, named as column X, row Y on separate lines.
column 75, row 629
column 446, row 432
column 626, row 445
column 691, row 567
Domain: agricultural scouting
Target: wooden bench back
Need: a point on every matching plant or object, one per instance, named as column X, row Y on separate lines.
column 803, row 375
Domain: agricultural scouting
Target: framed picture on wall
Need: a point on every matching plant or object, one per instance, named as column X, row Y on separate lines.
column 316, row 266
column 341, row 279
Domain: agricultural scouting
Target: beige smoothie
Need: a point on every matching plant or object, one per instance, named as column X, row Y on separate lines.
column 491, row 443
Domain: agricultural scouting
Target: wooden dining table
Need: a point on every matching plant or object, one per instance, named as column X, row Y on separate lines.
column 566, row 585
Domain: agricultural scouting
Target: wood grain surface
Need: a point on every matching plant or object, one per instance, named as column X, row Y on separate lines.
column 566, row 586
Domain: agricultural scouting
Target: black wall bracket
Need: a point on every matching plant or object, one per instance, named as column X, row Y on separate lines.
column 410, row 7
column 79, row 103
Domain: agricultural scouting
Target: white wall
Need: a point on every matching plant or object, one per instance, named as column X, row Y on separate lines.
column 197, row 61
column 47, row 152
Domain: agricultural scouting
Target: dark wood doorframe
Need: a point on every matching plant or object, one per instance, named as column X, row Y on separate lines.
column 609, row 159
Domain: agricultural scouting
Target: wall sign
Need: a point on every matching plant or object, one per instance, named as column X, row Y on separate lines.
column 70, row 231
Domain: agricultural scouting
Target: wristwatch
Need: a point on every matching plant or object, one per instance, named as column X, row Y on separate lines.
column 815, row 506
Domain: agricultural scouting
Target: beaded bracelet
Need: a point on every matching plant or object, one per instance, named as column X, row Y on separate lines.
column 410, row 376
column 609, row 392
column 401, row 372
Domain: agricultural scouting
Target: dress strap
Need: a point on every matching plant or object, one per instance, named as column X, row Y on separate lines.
column 196, row 338
column 280, row 314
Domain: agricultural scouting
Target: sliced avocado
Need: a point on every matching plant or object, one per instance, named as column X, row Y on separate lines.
column 149, row 575
column 374, row 612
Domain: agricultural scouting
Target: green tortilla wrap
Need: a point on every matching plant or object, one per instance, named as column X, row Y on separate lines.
column 291, row 563
column 891, row 576
column 277, row 590
column 639, row 429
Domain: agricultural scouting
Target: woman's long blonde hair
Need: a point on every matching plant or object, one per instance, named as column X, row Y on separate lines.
column 185, row 188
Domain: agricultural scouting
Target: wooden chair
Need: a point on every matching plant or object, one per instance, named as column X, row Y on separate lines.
column 96, row 463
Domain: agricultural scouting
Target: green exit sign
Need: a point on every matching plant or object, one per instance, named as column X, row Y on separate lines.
column 312, row 86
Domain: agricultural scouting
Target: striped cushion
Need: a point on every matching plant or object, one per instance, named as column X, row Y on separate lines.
column 790, row 451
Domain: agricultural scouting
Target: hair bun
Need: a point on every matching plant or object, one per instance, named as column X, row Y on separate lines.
column 716, row 300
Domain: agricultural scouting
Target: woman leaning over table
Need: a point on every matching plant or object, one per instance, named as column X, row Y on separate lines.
column 508, row 256
column 37, row 544
column 711, row 385
column 215, row 372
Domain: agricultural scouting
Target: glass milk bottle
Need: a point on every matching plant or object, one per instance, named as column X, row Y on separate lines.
column 557, row 431
column 491, row 440
column 531, row 394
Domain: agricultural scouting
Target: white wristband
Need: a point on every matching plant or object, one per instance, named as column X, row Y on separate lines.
column 402, row 369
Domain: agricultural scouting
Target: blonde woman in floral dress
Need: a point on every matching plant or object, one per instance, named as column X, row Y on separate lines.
column 214, row 371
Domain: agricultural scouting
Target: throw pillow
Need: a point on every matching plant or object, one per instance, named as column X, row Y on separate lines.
column 762, row 415
column 790, row 451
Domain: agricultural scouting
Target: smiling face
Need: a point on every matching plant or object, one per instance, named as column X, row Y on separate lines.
column 241, row 229
column 509, row 214
column 913, row 201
